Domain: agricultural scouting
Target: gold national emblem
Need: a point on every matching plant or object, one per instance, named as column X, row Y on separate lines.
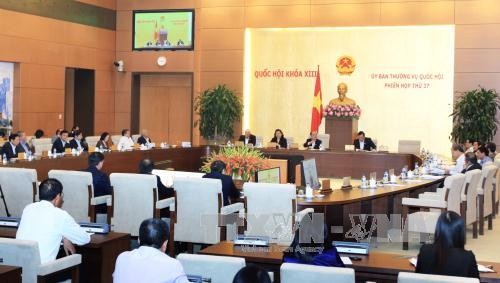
column 345, row 65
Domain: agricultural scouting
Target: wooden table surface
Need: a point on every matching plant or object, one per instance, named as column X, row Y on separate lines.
column 382, row 267
column 338, row 164
column 10, row 274
column 98, row 256
column 340, row 196
column 184, row 159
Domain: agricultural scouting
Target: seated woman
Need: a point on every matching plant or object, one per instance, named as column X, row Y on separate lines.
column 103, row 142
column 279, row 138
column 447, row 256
column 322, row 253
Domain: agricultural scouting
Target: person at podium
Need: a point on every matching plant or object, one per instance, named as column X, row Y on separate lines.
column 279, row 139
column 342, row 100
column 313, row 141
column 364, row 143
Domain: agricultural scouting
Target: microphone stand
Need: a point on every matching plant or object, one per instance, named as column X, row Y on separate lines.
column 4, row 202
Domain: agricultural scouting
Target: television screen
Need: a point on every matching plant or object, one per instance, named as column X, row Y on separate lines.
column 310, row 174
column 271, row 175
column 163, row 30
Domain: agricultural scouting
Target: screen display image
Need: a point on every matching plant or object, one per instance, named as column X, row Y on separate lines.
column 310, row 174
column 168, row 30
column 270, row 176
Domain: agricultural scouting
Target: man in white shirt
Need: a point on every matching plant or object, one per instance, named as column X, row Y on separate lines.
column 125, row 141
column 46, row 223
column 149, row 263
column 457, row 153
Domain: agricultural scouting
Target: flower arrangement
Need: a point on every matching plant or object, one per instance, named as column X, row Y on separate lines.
column 241, row 161
column 343, row 111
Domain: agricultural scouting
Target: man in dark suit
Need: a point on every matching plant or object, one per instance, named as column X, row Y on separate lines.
column 144, row 139
column 313, row 141
column 229, row 190
column 78, row 142
column 23, row 145
column 146, row 167
column 61, row 143
column 363, row 143
column 9, row 148
column 248, row 138
column 471, row 162
column 100, row 180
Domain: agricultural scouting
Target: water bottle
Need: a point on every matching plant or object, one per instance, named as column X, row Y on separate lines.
column 363, row 182
column 54, row 152
column 403, row 173
column 386, row 177
column 4, row 160
column 416, row 171
column 309, row 191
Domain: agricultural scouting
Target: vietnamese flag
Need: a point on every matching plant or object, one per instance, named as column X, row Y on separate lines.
column 317, row 109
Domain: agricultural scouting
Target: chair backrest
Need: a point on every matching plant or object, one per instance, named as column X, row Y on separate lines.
column 92, row 140
column 115, row 138
column 409, row 146
column 325, row 140
column 19, row 188
column 290, row 140
column 133, row 201
column 198, row 202
column 454, row 189
column 497, row 180
column 135, row 138
column 78, row 189
column 410, row 277
column 167, row 176
column 469, row 193
column 259, row 141
column 275, row 221
column 220, row 269
column 489, row 173
column 21, row 253
column 43, row 144
column 300, row 273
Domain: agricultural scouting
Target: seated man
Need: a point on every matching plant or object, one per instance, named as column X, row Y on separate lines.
column 78, row 142
column 100, row 180
column 23, row 145
column 149, row 262
column 46, row 223
column 492, row 148
column 61, row 143
column 471, row 162
column 144, row 139
column 482, row 155
column 126, row 141
column 313, row 141
column 248, row 138
column 146, row 167
column 229, row 190
column 9, row 148
column 458, row 155
column 363, row 143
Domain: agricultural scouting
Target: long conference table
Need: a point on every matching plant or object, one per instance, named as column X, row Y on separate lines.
column 330, row 164
column 377, row 266
column 338, row 206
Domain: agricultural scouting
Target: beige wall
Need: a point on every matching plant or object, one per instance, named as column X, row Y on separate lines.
column 223, row 22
